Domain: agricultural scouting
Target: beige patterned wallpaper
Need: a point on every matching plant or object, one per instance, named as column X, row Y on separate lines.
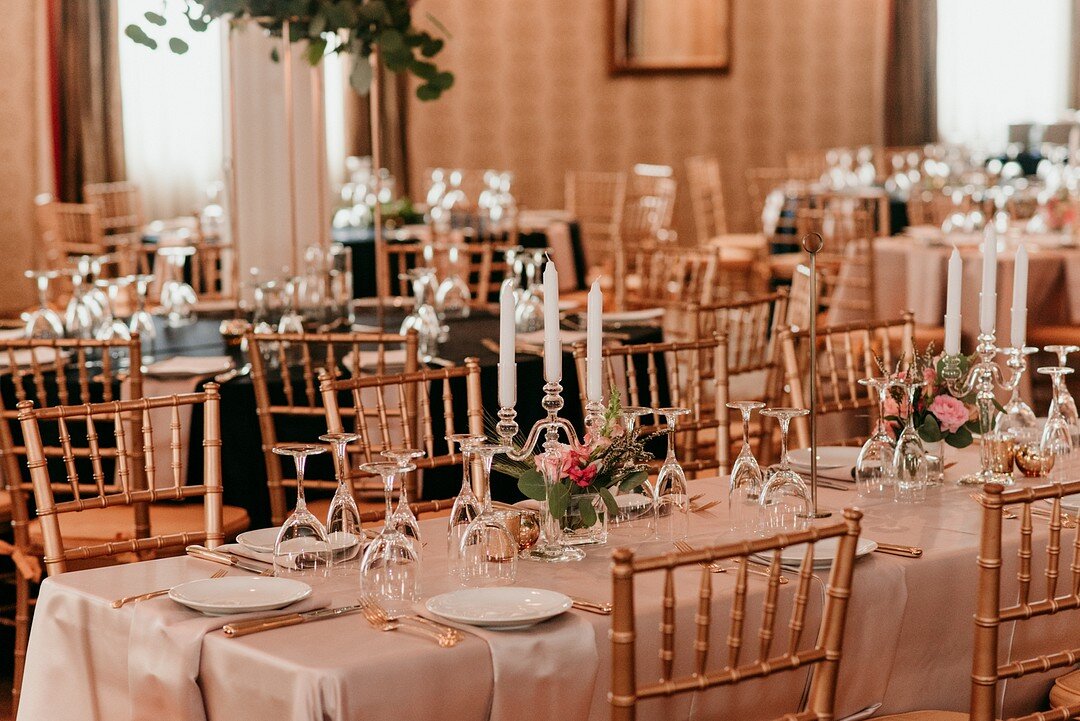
column 533, row 94
column 21, row 151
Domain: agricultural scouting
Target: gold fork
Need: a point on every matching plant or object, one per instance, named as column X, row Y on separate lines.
column 717, row 568
column 1066, row 520
column 379, row 619
column 369, row 600
column 1005, row 512
column 120, row 602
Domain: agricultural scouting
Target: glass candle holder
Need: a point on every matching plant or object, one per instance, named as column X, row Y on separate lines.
column 1000, row 451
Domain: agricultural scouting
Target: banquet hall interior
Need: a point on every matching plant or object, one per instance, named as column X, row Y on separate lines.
column 569, row 359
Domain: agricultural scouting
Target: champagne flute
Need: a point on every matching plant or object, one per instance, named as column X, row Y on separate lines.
column 671, row 498
column 390, row 567
column 744, row 488
column 785, row 498
column 343, row 527
column 302, row 545
column 403, row 517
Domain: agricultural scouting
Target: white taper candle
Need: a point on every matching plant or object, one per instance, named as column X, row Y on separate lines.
column 988, row 296
column 1018, row 325
column 952, row 304
column 507, row 343
column 594, row 326
column 552, row 341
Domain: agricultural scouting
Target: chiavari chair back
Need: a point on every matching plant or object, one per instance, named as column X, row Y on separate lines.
column 672, row 277
column 643, row 220
column 798, row 653
column 49, row 373
column 596, row 200
column 652, row 180
column 846, row 260
column 706, row 197
column 415, row 409
column 71, row 230
column 209, row 270
column 120, row 204
column 286, row 369
column 689, row 375
column 846, row 353
column 137, row 481
column 402, row 257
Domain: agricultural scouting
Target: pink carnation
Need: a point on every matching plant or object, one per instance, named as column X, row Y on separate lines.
column 565, row 455
column 583, row 476
column 950, row 412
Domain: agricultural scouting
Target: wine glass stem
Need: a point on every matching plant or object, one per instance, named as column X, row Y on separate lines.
column 301, row 462
column 43, row 290
column 745, row 427
column 388, row 489
column 487, row 482
column 784, row 423
column 466, row 480
column 671, row 439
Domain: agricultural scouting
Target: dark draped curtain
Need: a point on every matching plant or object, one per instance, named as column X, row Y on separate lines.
column 911, row 78
column 88, row 113
column 395, row 89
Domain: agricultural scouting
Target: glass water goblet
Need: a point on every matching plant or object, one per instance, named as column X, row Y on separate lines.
column 1065, row 400
column 1057, row 437
column 744, row 487
column 116, row 327
column 1016, row 415
column 343, row 526
column 489, row 550
column 177, row 296
column 551, row 548
column 909, row 470
column 631, row 420
column 390, row 566
column 466, row 505
column 291, row 321
column 302, row 545
column 423, row 317
column 43, row 322
column 404, row 519
column 79, row 316
column 141, row 321
column 785, row 498
column 873, row 467
column 671, row 498
column 529, row 313
column 453, row 298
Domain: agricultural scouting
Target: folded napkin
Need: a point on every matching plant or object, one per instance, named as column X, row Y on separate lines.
column 165, row 650
column 182, row 365
column 555, row 660
column 369, row 359
column 567, row 337
column 24, row 358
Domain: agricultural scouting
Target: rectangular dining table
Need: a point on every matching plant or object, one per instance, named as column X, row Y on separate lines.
column 908, row 643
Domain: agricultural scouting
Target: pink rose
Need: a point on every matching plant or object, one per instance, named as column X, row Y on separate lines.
column 950, row 412
column 583, row 476
column 565, row 455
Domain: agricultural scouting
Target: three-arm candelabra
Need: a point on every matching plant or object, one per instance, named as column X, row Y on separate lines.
column 983, row 377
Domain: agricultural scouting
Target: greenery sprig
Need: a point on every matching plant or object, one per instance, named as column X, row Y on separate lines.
column 354, row 27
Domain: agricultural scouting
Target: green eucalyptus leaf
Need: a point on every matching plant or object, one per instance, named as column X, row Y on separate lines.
column 315, row 51
column 138, row 35
column 360, row 77
column 558, row 500
column 199, row 25
column 961, row 439
column 443, row 80
column 154, row 18
column 178, row 46
column 431, row 46
column 587, row 512
column 633, row 481
column 428, row 91
column 930, row 430
column 531, row 483
column 424, row 70
column 609, row 501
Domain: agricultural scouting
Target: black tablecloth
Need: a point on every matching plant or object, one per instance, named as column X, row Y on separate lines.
column 362, row 243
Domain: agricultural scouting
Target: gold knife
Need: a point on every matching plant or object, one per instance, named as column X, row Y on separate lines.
column 243, row 628
column 229, row 559
column 604, row 609
column 895, row 550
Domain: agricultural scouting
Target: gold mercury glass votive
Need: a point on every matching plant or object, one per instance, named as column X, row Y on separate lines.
column 1000, row 450
column 523, row 524
column 1032, row 461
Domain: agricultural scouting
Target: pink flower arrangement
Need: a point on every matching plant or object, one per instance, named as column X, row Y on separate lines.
column 951, row 412
column 938, row 415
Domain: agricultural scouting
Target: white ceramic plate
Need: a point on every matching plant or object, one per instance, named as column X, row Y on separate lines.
column 824, row 553
column 633, row 316
column 502, row 608
column 239, row 594
column 827, row 457
column 1068, row 503
column 262, row 540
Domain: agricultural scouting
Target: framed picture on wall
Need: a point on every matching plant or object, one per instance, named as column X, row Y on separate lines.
column 670, row 36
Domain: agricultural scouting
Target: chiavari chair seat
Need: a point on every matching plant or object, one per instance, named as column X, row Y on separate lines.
column 285, row 371
column 999, row 608
column 411, row 410
column 796, row 655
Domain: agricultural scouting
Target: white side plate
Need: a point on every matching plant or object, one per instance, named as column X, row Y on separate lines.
column 239, row 594
column 824, row 553
column 502, row 608
column 828, row 457
column 262, row 540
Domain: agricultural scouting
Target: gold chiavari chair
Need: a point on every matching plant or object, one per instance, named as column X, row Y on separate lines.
column 652, row 180
column 646, row 217
column 752, row 328
column 846, row 353
column 403, row 411
column 688, row 375
column 122, row 220
column 798, row 654
column 671, row 277
column 208, row 269
column 403, row 257
column 285, row 371
column 596, row 200
column 995, row 609
column 136, row 479
column 71, row 230
column 706, row 197
column 846, row 259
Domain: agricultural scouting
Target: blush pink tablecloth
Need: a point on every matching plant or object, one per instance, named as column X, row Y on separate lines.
column 908, row 643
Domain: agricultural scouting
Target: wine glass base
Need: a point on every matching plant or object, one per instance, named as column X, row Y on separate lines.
column 552, row 554
column 986, row 476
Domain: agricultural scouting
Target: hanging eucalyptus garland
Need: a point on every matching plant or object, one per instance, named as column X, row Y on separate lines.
column 329, row 26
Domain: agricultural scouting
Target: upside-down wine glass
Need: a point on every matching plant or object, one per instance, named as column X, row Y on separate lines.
column 1016, row 415
column 390, row 567
column 343, row 527
column 874, row 463
column 43, row 322
column 785, row 498
column 488, row 549
column 1057, row 434
column 302, row 546
column 453, row 297
column 466, row 505
column 79, row 318
column 550, row 548
column 909, row 469
column 1065, row 399
column 671, row 498
column 116, row 328
column 291, row 321
column 744, row 488
column 177, row 297
column 404, row 519
column 141, row 321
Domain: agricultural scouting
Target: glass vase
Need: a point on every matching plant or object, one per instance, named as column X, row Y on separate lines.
column 582, row 526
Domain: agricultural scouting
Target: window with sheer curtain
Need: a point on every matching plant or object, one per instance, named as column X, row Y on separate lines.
column 172, row 106
column 1000, row 62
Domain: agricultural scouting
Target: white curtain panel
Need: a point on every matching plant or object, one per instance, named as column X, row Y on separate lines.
column 1000, row 62
column 173, row 129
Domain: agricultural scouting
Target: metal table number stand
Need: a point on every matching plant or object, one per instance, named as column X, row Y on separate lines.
column 812, row 243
